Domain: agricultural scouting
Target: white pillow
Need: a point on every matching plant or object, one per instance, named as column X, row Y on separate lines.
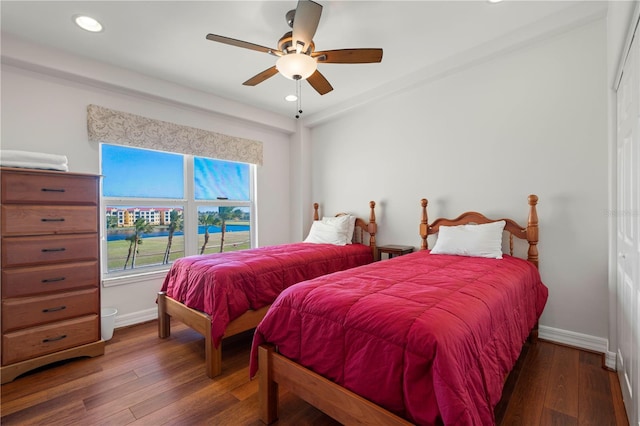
column 341, row 221
column 483, row 240
column 342, row 224
column 326, row 233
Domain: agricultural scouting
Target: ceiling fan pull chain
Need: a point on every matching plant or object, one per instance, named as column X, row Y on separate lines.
column 299, row 96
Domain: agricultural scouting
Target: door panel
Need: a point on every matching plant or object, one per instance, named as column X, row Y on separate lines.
column 627, row 233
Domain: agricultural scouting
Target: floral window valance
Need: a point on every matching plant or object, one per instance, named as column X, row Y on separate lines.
column 121, row 128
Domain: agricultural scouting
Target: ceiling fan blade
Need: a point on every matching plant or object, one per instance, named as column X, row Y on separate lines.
column 349, row 56
column 305, row 22
column 318, row 82
column 240, row 43
column 259, row 78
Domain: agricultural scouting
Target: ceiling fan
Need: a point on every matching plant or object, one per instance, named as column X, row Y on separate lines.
column 297, row 57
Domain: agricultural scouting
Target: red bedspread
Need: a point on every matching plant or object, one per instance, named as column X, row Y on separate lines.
column 428, row 337
column 226, row 285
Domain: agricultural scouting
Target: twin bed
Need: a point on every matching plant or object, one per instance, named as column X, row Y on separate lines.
column 426, row 338
column 223, row 294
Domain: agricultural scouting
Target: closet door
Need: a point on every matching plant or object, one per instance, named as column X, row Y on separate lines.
column 628, row 232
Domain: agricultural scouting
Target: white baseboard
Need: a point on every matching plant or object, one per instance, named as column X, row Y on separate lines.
column 579, row 340
column 556, row 335
column 136, row 317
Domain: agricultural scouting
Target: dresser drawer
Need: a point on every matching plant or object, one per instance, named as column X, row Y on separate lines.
column 38, row 220
column 49, row 188
column 37, row 310
column 36, row 341
column 22, row 251
column 29, row 281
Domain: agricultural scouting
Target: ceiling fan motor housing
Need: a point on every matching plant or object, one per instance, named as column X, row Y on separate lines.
column 285, row 44
column 290, row 16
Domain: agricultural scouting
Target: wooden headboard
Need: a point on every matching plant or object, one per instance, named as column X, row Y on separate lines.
column 529, row 233
column 362, row 226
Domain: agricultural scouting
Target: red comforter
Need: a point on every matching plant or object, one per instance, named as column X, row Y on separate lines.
column 428, row 337
column 226, row 285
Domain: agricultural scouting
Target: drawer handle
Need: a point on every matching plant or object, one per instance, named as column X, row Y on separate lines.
column 53, row 190
column 55, row 339
column 56, row 309
column 44, row 219
column 53, row 280
column 53, row 249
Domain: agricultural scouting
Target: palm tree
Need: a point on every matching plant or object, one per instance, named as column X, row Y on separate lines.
column 112, row 221
column 175, row 224
column 131, row 239
column 225, row 214
column 208, row 219
column 141, row 226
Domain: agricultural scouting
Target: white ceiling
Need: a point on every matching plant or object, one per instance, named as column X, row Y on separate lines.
column 166, row 40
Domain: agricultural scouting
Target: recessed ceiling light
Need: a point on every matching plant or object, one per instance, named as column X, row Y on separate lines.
column 87, row 23
column 291, row 98
column 494, row 1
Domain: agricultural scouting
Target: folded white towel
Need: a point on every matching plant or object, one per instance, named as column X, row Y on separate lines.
column 33, row 160
column 34, row 165
column 32, row 157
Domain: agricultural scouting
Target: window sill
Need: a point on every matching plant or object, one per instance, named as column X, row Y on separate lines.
column 134, row 278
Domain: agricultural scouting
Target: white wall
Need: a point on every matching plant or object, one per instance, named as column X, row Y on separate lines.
column 533, row 120
column 46, row 112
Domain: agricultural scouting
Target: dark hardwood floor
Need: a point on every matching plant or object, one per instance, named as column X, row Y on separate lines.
column 144, row 380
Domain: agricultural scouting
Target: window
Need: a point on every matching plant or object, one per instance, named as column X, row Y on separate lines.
column 160, row 206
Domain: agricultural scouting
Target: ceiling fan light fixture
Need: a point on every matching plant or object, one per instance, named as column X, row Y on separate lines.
column 296, row 66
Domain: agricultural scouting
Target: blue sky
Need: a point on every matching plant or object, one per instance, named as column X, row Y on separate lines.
column 142, row 173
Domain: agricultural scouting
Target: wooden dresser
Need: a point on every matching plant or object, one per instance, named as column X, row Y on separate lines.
column 50, row 305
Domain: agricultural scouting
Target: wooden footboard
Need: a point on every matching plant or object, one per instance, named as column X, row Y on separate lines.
column 341, row 404
column 201, row 322
column 337, row 402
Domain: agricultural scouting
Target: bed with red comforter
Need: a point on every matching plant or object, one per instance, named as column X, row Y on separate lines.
column 430, row 338
column 424, row 338
column 223, row 294
column 226, row 285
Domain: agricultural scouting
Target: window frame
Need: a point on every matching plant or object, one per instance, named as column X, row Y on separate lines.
column 190, row 220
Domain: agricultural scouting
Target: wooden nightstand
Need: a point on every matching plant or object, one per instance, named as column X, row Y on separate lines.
column 394, row 250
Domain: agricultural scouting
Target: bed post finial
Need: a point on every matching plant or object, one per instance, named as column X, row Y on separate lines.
column 532, row 230
column 372, row 228
column 315, row 211
column 424, row 225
